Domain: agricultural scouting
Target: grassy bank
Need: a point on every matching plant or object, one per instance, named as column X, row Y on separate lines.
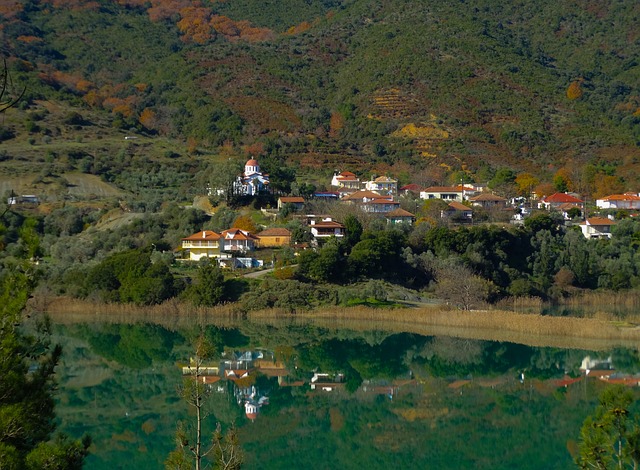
column 497, row 325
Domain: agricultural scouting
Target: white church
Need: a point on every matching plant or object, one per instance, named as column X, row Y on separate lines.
column 252, row 181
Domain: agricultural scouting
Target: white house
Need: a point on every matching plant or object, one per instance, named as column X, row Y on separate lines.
column 382, row 185
column 346, row 179
column 619, row 201
column 236, row 239
column 326, row 228
column 597, row 227
column 448, row 193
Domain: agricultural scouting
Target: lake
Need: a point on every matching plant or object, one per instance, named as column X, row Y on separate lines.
column 320, row 397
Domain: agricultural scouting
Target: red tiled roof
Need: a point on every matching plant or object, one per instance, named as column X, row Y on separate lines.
column 204, row 235
column 561, row 197
column 274, row 232
column 456, row 206
column 237, row 234
column 328, row 224
column 292, row 199
column 399, row 213
column 622, row 197
column 411, row 187
column 598, row 221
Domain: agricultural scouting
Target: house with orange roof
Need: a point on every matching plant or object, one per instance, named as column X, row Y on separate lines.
column 560, row 199
column 346, row 179
column 597, row 227
column 619, row 201
column 410, row 189
column 326, row 228
column 204, row 244
column 488, row 201
column 296, row 201
column 361, row 197
column 380, row 205
column 457, row 212
column 238, row 240
column 400, row 216
column 273, row 237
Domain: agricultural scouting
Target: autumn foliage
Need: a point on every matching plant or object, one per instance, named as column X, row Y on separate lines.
column 574, row 91
column 195, row 26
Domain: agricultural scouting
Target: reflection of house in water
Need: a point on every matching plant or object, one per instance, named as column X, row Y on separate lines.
column 389, row 389
column 253, row 403
column 327, row 382
column 603, row 369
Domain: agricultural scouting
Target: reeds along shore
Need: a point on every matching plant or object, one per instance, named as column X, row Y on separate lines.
column 501, row 325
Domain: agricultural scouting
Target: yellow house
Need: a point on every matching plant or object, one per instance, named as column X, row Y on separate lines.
column 204, row 244
column 274, row 237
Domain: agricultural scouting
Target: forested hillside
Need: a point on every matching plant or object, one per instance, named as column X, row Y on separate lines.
column 418, row 89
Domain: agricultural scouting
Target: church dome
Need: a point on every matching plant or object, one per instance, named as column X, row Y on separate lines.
column 251, row 162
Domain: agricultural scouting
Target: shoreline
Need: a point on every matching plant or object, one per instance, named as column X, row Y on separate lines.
column 491, row 325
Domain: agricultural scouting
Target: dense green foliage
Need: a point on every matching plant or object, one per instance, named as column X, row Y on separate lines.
column 27, row 368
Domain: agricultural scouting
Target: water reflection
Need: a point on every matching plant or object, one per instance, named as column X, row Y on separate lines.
column 299, row 393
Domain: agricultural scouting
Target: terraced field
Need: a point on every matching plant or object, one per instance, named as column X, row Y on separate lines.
column 78, row 185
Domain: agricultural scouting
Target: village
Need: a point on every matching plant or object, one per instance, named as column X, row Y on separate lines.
column 380, row 197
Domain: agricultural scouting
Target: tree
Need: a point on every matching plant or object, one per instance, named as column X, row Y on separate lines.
column 209, row 287
column 244, row 222
column 610, row 438
column 191, row 449
column 353, row 229
column 526, row 182
column 459, row 286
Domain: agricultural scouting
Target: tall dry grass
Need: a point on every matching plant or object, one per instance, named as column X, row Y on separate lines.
column 498, row 325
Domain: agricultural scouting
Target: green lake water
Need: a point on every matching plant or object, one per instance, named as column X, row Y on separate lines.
column 331, row 399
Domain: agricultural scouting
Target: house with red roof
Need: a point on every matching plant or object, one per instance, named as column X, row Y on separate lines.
column 619, row 201
column 597, row 227
column 410, row 189
column 560, row 199
column 457, row 212
column 361, row 197
column 296, row 201
column 400, row 216
column 274, row 237
column 324, row 228
column 238, row 240
column 346, row 179
column 488, row 201
column 204, row 244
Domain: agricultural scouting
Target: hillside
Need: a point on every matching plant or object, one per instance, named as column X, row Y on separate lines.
column 421, row 90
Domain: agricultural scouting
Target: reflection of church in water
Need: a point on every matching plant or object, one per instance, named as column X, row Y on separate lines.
column 252, row 181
